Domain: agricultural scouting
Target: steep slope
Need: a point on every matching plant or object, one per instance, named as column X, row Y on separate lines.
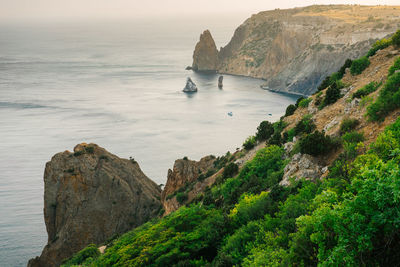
column 90, row 196
column 294, row 49
column 322, row 189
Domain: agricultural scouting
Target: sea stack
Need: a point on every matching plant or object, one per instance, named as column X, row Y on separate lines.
column 205, row 55
column 91, row 195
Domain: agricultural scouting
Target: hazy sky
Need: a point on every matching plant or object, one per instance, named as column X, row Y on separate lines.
column 73, row 9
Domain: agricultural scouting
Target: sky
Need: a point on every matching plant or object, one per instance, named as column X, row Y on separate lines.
column 19, row 10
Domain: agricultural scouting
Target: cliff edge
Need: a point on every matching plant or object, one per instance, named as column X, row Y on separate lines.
column 90, row 196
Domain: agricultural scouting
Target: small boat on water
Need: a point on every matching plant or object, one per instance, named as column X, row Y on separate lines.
column 230, row 113
column 190, row 86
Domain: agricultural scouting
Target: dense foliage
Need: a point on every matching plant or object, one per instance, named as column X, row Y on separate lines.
column 316, row 144
column 359, row 65
column 366, row 90
column 250, row 142
column 290, row 110
column 264, row 131
column 348, row 125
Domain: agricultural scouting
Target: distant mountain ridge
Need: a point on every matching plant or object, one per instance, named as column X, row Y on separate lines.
column 295, row 49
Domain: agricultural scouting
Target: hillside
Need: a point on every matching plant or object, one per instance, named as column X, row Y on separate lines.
column 294, row 49
column 318, row 187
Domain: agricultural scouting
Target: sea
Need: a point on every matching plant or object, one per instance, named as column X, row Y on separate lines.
column 116, row 83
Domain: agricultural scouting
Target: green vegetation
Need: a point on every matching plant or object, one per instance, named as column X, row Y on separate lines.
column 396, row 66
column 359, row 65
column 347, row 219
column 290, row 110
column 230, row 170
column 250, row 142
column 335, row 77
column 305, row 125
column 366, row 90
column 305, row 102
column 86, row 255
column 388, row 99
column 316, row 144
column 264, row 131
column 380, row 44
column 348, row 125
column 181, row 197
column 396, row 39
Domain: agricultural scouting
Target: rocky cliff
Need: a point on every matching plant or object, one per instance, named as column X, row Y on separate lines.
column 184, row 173
column 205, row 55
column 90, row 196
column 295, row 49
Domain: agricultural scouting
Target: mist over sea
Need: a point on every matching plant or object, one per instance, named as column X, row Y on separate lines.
column 116, row 84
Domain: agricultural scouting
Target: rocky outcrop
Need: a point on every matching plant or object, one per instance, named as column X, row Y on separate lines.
column 90, row 196
column 184, row 172
column 205, row 56
column 295, row 49
column 302, row 166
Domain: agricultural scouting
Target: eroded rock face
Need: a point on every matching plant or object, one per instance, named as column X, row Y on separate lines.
column 302, row 166
column 90, row 196
column 184, row 171
column 295, row 49
column 205, row 56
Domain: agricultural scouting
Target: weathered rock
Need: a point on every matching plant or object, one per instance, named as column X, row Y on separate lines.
column 90, row 196
column 205, row 56
column 185, row 171
column 301, row 166
column 295, row 49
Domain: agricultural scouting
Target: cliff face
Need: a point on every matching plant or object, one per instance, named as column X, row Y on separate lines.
column 205, row 55
column 184, row 172
column 295, row 49
column 90, row 196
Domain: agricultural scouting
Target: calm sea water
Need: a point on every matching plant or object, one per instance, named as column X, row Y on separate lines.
column 117, row 84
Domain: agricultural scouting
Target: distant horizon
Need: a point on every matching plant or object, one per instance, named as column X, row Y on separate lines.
column 94, row 10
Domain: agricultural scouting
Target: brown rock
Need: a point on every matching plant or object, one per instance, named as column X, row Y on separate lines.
column 205, row 56
column 90, row 196
column 185, row 171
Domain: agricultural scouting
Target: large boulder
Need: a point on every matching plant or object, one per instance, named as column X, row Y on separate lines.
column 184, row 172
column 205, row 56
column 91, row 195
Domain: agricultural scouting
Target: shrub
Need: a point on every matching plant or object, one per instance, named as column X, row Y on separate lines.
column 91, row 251
column 388, row 99
column 299, row 100
column 380, row 44
column 305, row 102
column 316, row 144
column 332, row 95
column 230, row 170
column 249, row 143
column 353, row 137
column 181, row 197
column 329, row 80
column 325, row 83
column 185, row 158
column 78, row 153
column 359, row 65
column 290, row 110
column 89, row 149
column 305, row 125
column 348, row 125
column 264, row 130
column 396, row 66
column 396, row 39
column 366, row 90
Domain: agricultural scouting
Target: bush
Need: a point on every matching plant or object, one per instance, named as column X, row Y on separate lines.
column 396, row 39
column 380, row 44
column 366, row 90
column 78, row 153
column 359, row 65
column 316, row 144
column 264, row 131
column 305, row 102
column 230, row 170
column 348, row 125
column 329, row 80
column 332, row 95
column 91, row 251
column 396, row 66
column 181, row 197
column 290, row 110
column 89, row 149
column 249, row 143
column 325, row 83
column 305, row 125
column 353, row 137
column 299, row 100
column 388, row 99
